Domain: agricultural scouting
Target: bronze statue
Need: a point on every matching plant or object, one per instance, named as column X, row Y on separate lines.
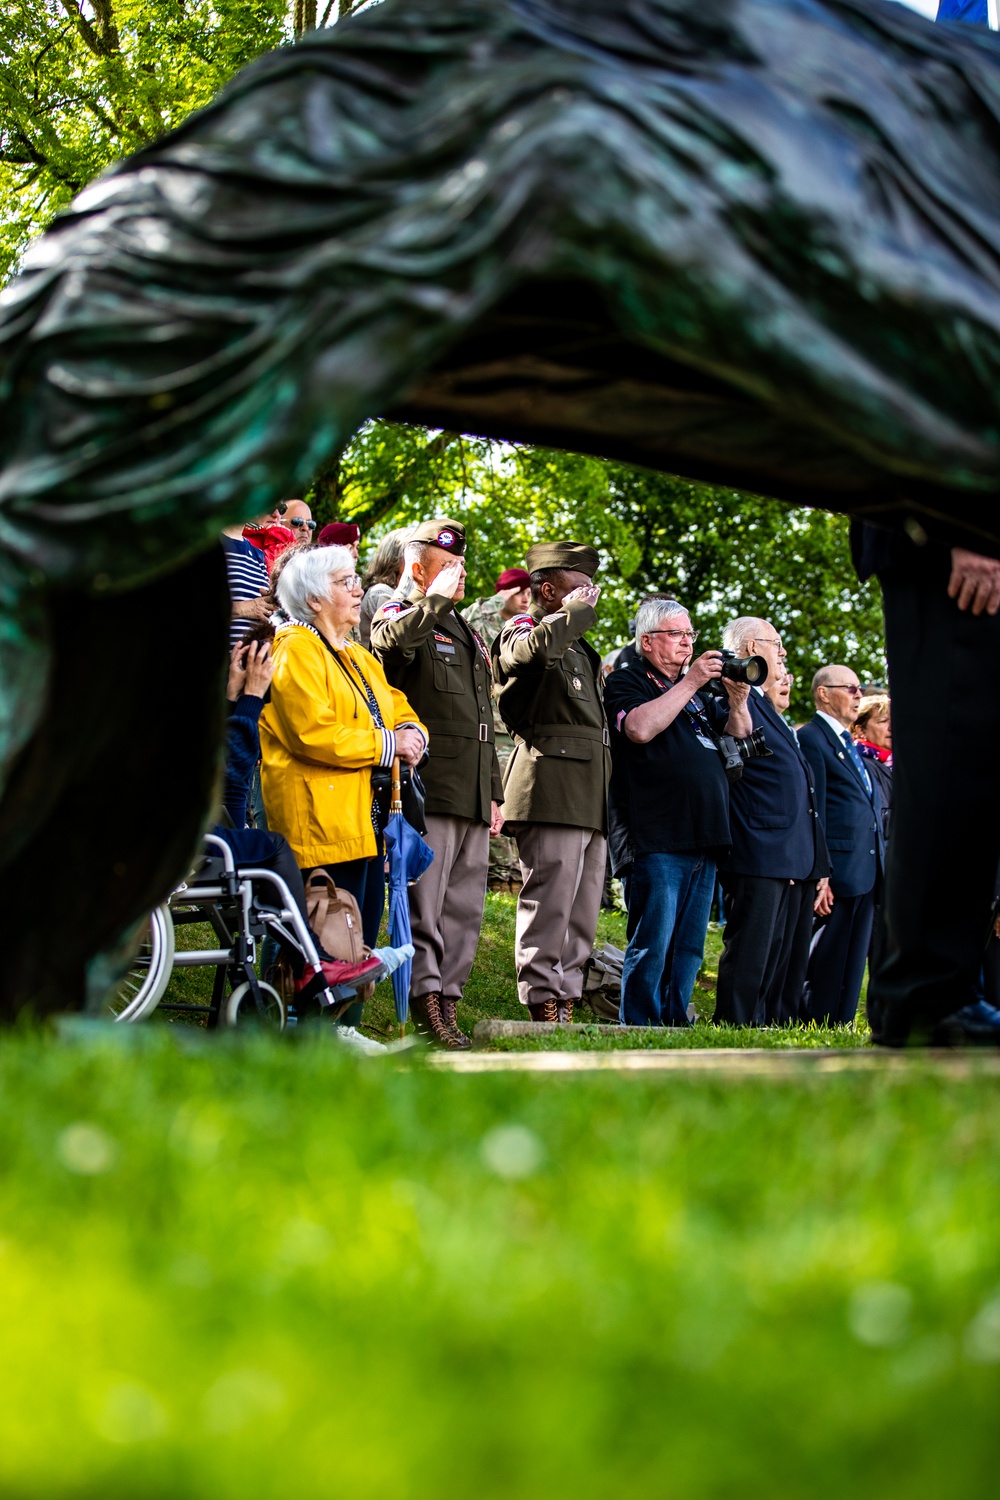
column 744, row 240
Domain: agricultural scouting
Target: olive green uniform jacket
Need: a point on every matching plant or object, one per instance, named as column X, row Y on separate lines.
column 551, row 701
column 421, row 641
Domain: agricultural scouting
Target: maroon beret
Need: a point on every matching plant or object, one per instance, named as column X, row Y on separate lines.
column 339, row 534
column 513, row 578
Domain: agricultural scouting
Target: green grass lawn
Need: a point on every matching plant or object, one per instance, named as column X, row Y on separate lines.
column 248, row 1266
column 256, row 1266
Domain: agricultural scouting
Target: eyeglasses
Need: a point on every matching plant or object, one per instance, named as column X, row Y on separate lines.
column 301, row 521
column 281, row 507
column 351, row 582
column 764, row 640
column 846, row 687
column 675, row 635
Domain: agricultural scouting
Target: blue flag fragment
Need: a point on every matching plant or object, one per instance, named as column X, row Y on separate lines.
column 972, row 12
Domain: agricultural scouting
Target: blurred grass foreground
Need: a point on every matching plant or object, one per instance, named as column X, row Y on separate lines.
column 248, row 1266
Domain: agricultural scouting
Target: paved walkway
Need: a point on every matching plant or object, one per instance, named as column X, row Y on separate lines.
column 733, row 1062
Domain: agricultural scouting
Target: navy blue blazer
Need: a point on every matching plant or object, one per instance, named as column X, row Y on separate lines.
column 851, row 816
column 773, row 816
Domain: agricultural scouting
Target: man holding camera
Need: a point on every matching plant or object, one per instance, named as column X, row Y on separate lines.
column 778, row 855
column 671, row 787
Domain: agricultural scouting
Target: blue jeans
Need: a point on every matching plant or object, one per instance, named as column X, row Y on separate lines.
column 669, row 900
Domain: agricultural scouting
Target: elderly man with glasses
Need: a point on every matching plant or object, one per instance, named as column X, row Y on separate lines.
column 669, row 805
column 850, row 810
column 777, row 859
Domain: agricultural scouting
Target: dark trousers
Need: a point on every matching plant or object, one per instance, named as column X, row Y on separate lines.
column 786, row 1005
column 837, row 964
column 365, row 880
column 756, row 921
column 945, row 842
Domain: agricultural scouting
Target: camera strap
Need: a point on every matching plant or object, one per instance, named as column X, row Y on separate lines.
column 704, row 732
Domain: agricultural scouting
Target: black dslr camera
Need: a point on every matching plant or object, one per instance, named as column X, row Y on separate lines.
column 752, row 669
column 734, row 752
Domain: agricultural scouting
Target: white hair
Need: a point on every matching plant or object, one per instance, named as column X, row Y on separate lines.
column 738, row 632
column 307, row 576
column 651, row 614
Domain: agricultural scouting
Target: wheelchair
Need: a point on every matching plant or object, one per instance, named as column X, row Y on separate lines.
column 242, row 907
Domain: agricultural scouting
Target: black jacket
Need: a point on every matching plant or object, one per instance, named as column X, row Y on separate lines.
column 773, row 815
column 851, row 816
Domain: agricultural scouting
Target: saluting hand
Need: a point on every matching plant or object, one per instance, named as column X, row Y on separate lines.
column 589, row 593
column 449, row 580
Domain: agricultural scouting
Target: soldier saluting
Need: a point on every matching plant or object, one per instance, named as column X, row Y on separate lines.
column 423, row 642
column 556, row 782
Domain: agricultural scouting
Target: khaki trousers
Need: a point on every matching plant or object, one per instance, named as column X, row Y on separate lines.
column 563, row 873
column 446, row 906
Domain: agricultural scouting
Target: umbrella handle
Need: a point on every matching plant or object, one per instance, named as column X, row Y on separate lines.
column 397, row 788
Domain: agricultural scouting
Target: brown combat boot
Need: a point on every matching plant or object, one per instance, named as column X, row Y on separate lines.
column 545, row 1010
column 449, row 1018
column 565, row 1008
column 425, row 1011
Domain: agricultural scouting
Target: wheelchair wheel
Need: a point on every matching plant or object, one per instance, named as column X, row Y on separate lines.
column 241, row 1009
column 142, row 987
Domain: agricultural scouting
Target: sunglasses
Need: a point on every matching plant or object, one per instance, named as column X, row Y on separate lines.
column 300, row 521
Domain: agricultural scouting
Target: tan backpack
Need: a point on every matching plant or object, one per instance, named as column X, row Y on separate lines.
column 334, row 917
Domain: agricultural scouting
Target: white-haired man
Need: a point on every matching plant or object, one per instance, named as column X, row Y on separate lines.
column 777, row 858
column 669, row 786
column 850, row 810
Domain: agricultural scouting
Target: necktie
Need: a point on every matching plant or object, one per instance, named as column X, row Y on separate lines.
column 852, row 751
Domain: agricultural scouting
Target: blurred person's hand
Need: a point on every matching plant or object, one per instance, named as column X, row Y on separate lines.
column 449, row 580
column 410, row 746
column 253, row 609
column 259, row 668
column 823, row 904
column 974, row 581
column 496, row 819
column 588, row 594
column 237, row 672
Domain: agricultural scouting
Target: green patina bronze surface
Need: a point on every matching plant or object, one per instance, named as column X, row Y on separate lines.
column 747, row 240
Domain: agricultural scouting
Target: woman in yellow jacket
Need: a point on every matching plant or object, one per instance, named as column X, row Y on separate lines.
column 331, row 720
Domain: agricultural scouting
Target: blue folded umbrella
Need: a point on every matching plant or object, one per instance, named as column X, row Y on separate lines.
column 409, row 857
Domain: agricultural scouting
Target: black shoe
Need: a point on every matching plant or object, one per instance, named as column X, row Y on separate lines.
column 976, row 1025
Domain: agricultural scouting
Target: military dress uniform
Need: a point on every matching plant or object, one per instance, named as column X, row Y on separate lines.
column 487, row 619
column 555, row 788
column 430, row 653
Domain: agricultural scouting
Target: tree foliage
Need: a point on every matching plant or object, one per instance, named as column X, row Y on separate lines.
column 85, row 82
column 721, row 552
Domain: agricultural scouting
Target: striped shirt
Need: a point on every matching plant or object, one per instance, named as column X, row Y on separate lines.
column 246, row 571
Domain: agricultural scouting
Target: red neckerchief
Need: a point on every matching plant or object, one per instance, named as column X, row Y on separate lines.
column 874, row 752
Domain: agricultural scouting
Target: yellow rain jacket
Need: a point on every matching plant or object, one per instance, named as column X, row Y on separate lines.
column 319, row 742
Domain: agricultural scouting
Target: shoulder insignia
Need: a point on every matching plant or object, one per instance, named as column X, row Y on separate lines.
column 523, row 620
column 394, row 607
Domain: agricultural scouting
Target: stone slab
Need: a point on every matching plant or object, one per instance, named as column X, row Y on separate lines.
column 731, row 1062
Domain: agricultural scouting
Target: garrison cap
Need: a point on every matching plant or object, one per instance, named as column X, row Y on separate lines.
column 448, row 535
column 575, row 557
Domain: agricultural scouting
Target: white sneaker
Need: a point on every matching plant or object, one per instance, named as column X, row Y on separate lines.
column 349, row 1036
